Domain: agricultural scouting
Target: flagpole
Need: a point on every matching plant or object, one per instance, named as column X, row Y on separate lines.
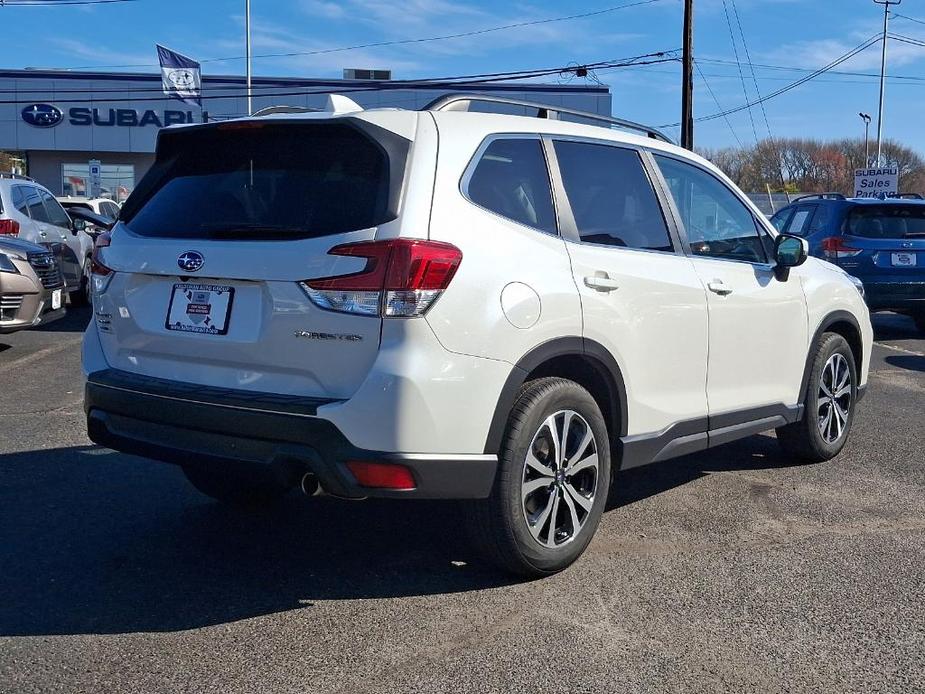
column 247, row 30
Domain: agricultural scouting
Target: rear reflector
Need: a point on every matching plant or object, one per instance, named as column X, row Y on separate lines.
column 402, row 278
column 381, row 475
column 9, row 227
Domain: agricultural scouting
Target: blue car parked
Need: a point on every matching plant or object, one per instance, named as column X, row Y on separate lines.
column 881, row 242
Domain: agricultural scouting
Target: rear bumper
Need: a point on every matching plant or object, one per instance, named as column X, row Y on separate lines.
column 176, row 423
column 882, row 296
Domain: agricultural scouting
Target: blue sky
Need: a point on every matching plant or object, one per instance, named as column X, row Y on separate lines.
column 781, row 33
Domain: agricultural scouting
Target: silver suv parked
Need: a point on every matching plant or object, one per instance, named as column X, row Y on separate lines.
column 30, row 211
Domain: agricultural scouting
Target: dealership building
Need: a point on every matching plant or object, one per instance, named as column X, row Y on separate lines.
column 54, row 123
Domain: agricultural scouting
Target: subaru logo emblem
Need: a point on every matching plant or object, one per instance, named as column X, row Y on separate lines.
column 42, row 115
column 190, row 261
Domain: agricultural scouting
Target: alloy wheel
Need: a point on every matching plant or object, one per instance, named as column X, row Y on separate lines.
column 560, row 479
column 834, row 399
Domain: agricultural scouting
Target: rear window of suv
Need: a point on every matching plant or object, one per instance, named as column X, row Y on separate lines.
column 886, row 222
column 268, row 181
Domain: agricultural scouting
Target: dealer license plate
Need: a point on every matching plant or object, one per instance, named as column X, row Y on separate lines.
column 200, row 308
column 904, row 260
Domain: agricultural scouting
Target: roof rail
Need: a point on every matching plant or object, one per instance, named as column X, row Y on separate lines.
column 447, row 102
column 10, row 174
column 820, row 196
column 910, row 196
column 282, row 108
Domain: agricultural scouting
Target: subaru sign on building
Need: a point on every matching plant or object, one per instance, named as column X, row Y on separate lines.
column 61, row 120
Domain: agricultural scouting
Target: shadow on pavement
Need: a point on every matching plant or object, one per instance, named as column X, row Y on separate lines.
column 74, row 321
column 99, row 542
column 894, row 326
column 753, row 453
column 912, row 362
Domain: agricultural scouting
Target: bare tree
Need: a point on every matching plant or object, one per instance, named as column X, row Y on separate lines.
column 812, row 166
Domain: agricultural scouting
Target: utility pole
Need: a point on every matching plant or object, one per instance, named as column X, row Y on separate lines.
column 247, row 46
column 886, row 22
column 687, row 88
column 866, row 118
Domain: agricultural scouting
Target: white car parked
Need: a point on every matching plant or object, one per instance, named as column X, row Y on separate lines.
column 29, row 211
column 104, row 207
column 446, row 304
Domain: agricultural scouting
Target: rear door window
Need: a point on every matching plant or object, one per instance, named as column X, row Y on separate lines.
column 511, row 179
column 886, row 221
column 19, row 200
column 34, row 202
column 56, row 213
column 611, row 197
column 800, row 222
column 269, row 181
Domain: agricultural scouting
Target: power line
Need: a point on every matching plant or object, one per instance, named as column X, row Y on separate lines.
column 403, row 42
column 907, row 39
column 791, row 68
column 876, row 38
column 748, row 57
column 431, row 83
column 58, row 3
column 896, row 15
column 716, row 101
column 735, row 52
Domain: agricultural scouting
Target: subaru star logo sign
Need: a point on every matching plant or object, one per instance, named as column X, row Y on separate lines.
column 190, row 261
column 42, row 115
column 182, row 79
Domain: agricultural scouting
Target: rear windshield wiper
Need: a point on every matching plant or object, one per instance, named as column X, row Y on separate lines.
column 914, row 235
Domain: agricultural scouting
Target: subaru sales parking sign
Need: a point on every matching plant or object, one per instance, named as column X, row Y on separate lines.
column 181, row 77
column 876, row 182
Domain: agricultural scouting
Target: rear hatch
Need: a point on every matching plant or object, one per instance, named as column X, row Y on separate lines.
column 212, row 250
column 884, row 243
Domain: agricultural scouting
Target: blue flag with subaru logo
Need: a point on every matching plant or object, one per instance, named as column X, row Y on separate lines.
column 180, row 76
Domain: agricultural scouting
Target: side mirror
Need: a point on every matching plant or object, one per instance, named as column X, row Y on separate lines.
column 88, row 217
column 78, row 225
column 789, row 251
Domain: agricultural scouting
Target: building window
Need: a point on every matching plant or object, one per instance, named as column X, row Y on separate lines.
column 117, row 180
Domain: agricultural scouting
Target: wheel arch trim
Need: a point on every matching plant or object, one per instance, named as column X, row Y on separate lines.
column 827, row 322
column 593, row 352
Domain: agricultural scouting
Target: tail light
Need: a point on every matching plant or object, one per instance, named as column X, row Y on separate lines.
column 402, row 278
column 96, row 265
column 100, row 274
column 381, row 475
column 9, row 227
column 835, row 247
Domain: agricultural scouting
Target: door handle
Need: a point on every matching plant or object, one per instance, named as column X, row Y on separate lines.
column 719, row 287
column 600, row 282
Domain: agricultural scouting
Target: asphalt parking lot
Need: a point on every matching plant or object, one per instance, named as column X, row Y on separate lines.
column 733, row 570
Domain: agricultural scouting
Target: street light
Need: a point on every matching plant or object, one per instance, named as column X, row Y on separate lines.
column 866, row 118
column 886, row 21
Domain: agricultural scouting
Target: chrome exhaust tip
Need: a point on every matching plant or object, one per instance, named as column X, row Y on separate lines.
column 310, row 485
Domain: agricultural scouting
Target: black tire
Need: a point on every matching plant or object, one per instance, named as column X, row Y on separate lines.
column 919, row 319
column 805, row 439
column 499, row 526
column 241, row 488
column 81, row 297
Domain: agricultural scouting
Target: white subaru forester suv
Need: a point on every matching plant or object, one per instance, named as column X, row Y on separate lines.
column 444, row 303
